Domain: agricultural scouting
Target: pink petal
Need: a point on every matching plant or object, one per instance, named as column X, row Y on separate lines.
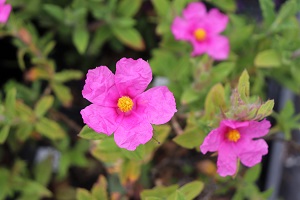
column 2, row 1
column 251, row 151
column 4, row 12
column 213, row 140
column 132, row 132
column 218, row 47
column 101, row 119
column 256, row 129
column 157, row 105
column 132, row 76
column 218, row 21
column 194, row 10
column 199, row 47
column 100, row 88
column 234, row 124
column 227, row 160
column 180, row 29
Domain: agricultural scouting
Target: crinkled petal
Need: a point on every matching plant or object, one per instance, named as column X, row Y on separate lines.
column 100, row 88
column 227, row 160
column 250, row 152
column 132, row 76
column 199, row 47
column 213, row 140
column 218, row 47
column 157, row 105
column 256, row 129
column 4, row 12
column 180, row 29
column 217, row 20
column 2, row 2
column 194, row 10
column 234, row 124
column 101, row 119
column 132, row 132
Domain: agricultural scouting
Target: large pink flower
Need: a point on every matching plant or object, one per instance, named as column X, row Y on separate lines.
column 4, row 11
column 203, row 30
column 120, row 105
column 235, row 139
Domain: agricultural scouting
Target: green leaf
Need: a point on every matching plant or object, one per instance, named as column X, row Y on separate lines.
column 288, row 9
column 130, row 171
column 252, row 174
column 128, row 8
column 101, row 35
column 43, row 105
column 50, row 129
column 24, row 131
column 63, row 93
column 33, row 189
column 43, row 171
column 137, row 154
column 161, row 7
column 244, row 86
column 4, row 133
column 68, row 75
column 189, row 95
column 106, row 150
column 99, row 190
column 55, row 11
column 268, row 12
column 226, row 5
column 215, row 101
column 130, row 37
column 89, row 134
column 192, row 189
column 159, row 191
column 10, row 102
column 83, row 194
column 192, row 137
column 266, row 109
column 267, row 59
column 177, row 195
column 81, row 38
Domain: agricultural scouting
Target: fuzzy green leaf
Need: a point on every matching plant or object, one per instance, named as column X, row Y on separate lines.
column 4, row 133
column 83, row 194
column 266, row 109
column 267, row 59
column 130, row 37
column 81, row 39
column 50, row 129
column 128, row 8
column 43, row 105
column 244, row 86
column 55, row 11
column 268, row 11
column 68, row 75
column 10, row 102
column 89, row 134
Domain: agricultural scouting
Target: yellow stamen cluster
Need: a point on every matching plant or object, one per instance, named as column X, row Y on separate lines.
column 125, row 104
column 233, row 135
column 200, row 34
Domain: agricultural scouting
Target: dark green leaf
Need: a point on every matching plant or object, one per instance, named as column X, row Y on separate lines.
column 68, row 75
column 10, row 102
column 55, row 11
column 253, row 173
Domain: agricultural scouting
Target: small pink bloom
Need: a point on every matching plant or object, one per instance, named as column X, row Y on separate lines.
column 235, row 139
column 120, row 105
column 4, row 11
column 203, row 30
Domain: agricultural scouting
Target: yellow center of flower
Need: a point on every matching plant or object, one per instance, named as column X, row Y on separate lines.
column 200, row 34
column 233, row 135
column 125, row 104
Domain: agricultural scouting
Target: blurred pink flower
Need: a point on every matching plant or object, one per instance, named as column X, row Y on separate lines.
column 4, row 11
column 202, row 29
column 120, row 105
column 235, row 139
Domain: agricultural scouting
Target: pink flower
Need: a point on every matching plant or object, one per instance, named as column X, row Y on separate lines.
column 202, row 29
column 235, row 139
column 120, row 105
column 4, row 11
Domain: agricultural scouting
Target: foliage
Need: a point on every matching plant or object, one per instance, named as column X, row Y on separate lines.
column 50, row 45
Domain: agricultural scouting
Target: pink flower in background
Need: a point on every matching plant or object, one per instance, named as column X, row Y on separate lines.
column 237, row 140
column 4, row 11
column 120, row 105
column 203, row 30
